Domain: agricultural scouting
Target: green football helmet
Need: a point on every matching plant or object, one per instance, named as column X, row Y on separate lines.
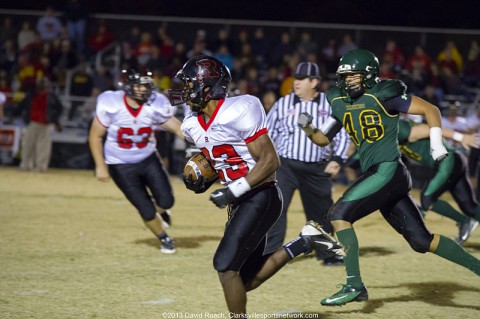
column 358, row 61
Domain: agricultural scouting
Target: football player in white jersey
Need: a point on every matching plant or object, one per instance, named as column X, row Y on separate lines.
column 127, row 117
column 231, row 132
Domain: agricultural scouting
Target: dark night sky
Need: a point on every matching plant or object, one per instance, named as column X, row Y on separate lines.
column 442, row 13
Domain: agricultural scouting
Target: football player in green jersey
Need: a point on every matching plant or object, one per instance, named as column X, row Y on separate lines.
column 450, row 175
column 369, row 110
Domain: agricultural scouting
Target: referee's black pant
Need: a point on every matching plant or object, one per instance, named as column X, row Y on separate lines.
column 315, row 188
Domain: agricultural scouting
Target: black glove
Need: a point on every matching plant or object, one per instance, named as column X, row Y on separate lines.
column 222, row 197
column 199, row 186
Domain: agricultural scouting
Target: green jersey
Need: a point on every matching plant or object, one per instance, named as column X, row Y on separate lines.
column 419, row 151
column 372, row 126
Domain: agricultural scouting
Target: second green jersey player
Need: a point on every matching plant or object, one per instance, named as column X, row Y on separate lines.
column 449, row 175
column 369, row 110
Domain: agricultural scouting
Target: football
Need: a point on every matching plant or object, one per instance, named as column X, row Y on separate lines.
column 199, row 165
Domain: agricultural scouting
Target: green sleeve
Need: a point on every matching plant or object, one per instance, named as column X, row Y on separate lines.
column 388, row 89
column 404, row 129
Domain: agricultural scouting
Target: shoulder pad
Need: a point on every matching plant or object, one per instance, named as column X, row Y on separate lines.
column 385, row 90
column 333, row 93
column 108, row 101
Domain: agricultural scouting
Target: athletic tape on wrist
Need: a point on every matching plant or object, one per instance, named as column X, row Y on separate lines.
column 435, row 137
column 239, row 187
column 457, row 136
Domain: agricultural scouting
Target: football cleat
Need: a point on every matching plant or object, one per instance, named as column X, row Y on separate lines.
column 465, row 229
column 166, row 218
column 167, row 246
column 333, row 261
column 319, row 240
column 345, row 295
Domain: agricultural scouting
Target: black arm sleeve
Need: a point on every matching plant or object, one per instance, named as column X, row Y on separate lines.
column 398, row 104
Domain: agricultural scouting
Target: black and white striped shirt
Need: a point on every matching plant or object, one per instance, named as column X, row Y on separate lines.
column 290, row 140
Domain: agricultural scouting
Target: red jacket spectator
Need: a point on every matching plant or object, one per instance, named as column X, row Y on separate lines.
column 419, row 59
column 101, row 38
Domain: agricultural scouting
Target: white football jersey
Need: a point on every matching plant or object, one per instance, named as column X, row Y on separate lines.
column 130, row 137
column 235, row 122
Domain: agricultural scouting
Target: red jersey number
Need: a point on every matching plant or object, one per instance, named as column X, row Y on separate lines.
column 238, row 167
column 125, row 134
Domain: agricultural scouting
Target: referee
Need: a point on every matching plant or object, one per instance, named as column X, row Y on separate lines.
column 304, row 165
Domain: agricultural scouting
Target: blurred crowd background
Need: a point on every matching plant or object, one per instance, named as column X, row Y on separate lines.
column 82, row 53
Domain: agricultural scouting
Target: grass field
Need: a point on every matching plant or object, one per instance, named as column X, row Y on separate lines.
column 72, row 247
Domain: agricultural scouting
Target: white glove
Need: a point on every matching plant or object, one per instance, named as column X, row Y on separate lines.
column 305, row 123
column 437, row 149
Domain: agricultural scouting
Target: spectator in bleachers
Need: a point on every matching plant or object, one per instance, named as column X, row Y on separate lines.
column 3, row 99
column 306, row 45
column 87, row 112
column 329, row 56
column 5, row 86
column 127, row 56
column 225, row 56
column 156, row 62
column 199, row 45
column 284, row 47
column 26, row 35
column 452, row 82
column 417, row 79
column 102, row 78
column 8, row 57
column 260, row 46
column 180, row 51
column 447, row 62
column 242, row 38
column 81, row 84
column 396, row 55
column 134, row 36
column 472, row 67
column 451, row 57
column 223, row 38
column 101, row 38
column 46, row 63
column 144, row 49
column 253, row 85
column 166, row 44
column 272, row 81
column 30, row 69
column 429, row 94
column 387, row 67
column 268, row 98
column 66, row 60
column 238, row 71
column 8, row 31
column 419, row 60
column 346, row 45
column 49, row 26
column 76, row 15
column 435, row 79
column 175, row 64
column 246, row 56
